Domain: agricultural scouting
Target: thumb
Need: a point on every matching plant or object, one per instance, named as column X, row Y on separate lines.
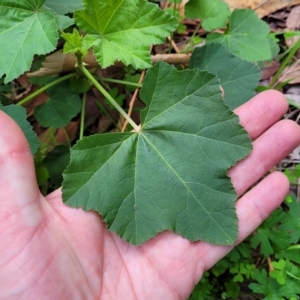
column 19, row 192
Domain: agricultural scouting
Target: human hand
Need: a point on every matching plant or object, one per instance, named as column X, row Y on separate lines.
column 51, row 251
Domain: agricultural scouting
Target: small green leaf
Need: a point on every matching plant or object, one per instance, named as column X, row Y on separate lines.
column 123, row 30
column 243, row 250
column 273, row 43
column 290, row 254
column 232, row 290
column 31, row 28
column 64, row 7
column 234, row 269
column 278, row 273
column 270, row 287
column 203, row 289
column 41, row 171
column 279, row 276
column 18, row 114
column 172, row 175
column 238, row 278
column 292, row 222
column 269, row 236
column 262, row 286
column 270, row 239
column 60, row 108
column 221, row 267
column 242, row 38
column 134, row 78
column 74, row 43
column 238, row 78
column 4, row 90
column 115, row 95
column 214, row 13
column 56, row 161
column 279, row 264
column 79, row 85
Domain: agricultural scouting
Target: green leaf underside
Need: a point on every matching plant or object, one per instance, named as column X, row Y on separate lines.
column 213, row 13
column 63, row 7
column 18, row 114
column 59, row 110
column 172, row 175
column 31, row 28
column 123, row 30
column 241, row 36
column 238, row 77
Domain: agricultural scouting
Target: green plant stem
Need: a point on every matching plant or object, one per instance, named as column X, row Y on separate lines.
column 49, row 135
column 292, row 275
column 119, row 81
column 291, row 102
column 82, row 117
column 294, row 247
column 44, row 88
column 285, row 62
column 108, row 96
column 67, row 136
column 49, row 132
column 172, row 34
column 174, row 7
column 195, row 31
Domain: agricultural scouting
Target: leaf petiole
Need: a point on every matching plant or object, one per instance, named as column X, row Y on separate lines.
column 295, row 47
column 119, row 81
column 44, row 88
column 82, row 116
column 108, row 96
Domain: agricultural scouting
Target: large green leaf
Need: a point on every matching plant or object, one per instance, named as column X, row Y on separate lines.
column 63, row 7
column 238, row 77
column 60, row 108
column 123, row 30
column 172, row 175
column 26, row 28
column 214, row 13
column 246, row 36
column 18, row 114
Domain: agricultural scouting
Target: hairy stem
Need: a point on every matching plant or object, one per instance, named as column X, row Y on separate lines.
column 119, row 81
column 285, row 62
column 131, row 104
column 44, row 88
column 82, row 117
column 108, row 96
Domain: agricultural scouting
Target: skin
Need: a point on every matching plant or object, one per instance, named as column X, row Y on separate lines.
column 50, row 251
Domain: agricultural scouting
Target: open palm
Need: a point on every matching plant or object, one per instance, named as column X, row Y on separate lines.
column 50, row 251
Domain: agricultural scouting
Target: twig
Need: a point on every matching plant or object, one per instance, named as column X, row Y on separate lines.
column 175, row 47
column 173, row 44
column 271, row 268
column 132, row 101
column 60, row 63
column 260, row 5
column 294, row 48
